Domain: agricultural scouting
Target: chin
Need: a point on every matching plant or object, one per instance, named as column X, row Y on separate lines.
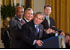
column 36, row 23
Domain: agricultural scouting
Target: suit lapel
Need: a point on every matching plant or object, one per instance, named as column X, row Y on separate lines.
column 24, row 20
column 19, row 24
column 40, row 31
column 33, row 28
column 16, row 18
column 50, row 22
column 46, row 23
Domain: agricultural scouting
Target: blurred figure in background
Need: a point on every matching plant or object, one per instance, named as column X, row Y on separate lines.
column 5, row 33
column 67, row 40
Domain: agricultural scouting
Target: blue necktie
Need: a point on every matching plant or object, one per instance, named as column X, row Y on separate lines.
column 37, row 28
column 48, row 20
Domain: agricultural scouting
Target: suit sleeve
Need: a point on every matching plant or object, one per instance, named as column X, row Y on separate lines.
column 13, row 25
column 52, row 22
column 25, row 35
column 46, row 36
column 14, row 29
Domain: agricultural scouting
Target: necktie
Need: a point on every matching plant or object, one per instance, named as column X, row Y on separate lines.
column 48, row 21
column 37, row 28
column 22, row 21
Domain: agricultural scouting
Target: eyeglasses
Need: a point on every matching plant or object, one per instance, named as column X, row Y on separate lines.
column 39, row 18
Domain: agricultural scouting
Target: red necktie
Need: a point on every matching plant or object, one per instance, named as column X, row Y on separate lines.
column 22, row 21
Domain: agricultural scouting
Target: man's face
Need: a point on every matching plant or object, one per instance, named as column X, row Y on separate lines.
column 28, row 14
column 19, row 13
column 38, row 19
column 47, row 11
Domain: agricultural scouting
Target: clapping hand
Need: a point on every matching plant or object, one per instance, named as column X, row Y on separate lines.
column 49, row 31
column 39, row 43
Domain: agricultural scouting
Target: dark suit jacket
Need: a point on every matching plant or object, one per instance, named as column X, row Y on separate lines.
column 5, row 37
column 24, row 20
column 29, row 34
column 45, row 23
column 15, row 27
column 46, row 26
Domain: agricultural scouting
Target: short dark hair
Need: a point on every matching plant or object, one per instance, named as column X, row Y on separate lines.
column 46, row 5
column 27, row 9
column 40, row 14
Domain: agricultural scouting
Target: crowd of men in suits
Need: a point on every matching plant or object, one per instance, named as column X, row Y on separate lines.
column 28, row 30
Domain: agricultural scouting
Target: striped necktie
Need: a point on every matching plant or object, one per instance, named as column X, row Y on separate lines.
column 48, row 21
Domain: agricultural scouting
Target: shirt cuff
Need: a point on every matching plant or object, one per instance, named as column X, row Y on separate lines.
column 34, row 42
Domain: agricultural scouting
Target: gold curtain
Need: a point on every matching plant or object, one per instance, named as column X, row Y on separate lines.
column 61, row 13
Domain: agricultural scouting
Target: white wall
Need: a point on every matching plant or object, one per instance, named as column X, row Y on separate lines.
column 38, row 5
column 21, row 2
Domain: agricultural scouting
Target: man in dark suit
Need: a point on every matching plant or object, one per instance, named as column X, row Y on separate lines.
column 32, row 32
column 49, row 23
column 15, row 27
column 28, row 15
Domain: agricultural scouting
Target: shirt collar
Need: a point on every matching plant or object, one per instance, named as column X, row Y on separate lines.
column 47, row 17
column 20, row 19
column 36, row 25
column 26, row 19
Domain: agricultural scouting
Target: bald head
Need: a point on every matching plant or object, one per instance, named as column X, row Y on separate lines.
column 17, row 8
column 19, row 12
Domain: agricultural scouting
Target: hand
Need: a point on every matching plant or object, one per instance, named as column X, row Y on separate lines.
column 53, row 31
column 62, row 33
column 48, row 31
column 39, row 43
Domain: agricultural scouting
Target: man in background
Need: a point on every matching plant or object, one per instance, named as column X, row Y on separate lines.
column 28, row 15
column 48, row 23
column 15, row 27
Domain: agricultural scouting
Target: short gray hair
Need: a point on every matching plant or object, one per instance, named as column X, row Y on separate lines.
column 40, row 14
column 27, row 9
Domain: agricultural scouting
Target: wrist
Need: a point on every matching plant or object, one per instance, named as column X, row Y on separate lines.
column 36, row 41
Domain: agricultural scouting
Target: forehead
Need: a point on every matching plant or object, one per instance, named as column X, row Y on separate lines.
column 29, row 11
column 20, row 8
column 39, row 15
column 48, row 8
